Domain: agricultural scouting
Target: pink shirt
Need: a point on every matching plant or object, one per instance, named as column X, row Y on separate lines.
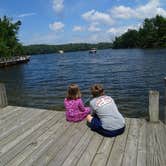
column 75, row 110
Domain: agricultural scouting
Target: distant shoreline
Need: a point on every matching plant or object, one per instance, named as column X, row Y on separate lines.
column 50, row 49
column 47, row 49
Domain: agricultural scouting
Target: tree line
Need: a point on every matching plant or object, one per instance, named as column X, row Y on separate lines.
column 152, row 34
column 45, row 49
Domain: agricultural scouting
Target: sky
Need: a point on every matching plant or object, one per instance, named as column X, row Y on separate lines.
column 78, row 21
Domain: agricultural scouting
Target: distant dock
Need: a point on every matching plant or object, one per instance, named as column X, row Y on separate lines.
column 38, row 137
column 4, row 62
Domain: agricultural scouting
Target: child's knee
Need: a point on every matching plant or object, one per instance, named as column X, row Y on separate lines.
column 89, row 118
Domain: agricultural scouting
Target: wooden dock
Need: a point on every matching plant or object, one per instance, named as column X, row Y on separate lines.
column 13, row 61
column 39, row 137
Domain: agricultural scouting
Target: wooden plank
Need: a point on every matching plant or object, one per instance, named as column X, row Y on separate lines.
column 64, row 152
column 39, row 142
column 5, row 141
column 19, row 129
column 19, row 121
column 6, row 111
column 3, row 96
column 163, row 125
column 103, row 152
column 9, row 117
column 12, row 109
column 77, row 152
column 10, row 150
column 154, row 106
column 118, row 150
column 165, row 100
column 43, row 148
column 89, row 153
column 59, row 144
column 141, row 156
column 161, row 139
column 8, row 129
column 156, row 146
column 130, row 155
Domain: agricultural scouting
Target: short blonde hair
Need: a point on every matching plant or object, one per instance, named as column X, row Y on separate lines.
column 73, row 92
column 97, row 90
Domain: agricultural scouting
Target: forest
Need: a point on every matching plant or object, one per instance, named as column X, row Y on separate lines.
column 45, row 49
column 152, row 34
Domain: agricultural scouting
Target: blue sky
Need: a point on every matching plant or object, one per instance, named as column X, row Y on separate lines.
column 73, row 21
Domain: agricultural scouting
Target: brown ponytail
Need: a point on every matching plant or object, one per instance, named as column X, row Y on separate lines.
column 97, row 90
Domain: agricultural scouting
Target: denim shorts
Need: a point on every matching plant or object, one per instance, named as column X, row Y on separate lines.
column 96, row 125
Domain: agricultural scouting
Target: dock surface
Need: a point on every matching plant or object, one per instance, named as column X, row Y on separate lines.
column 40, row 137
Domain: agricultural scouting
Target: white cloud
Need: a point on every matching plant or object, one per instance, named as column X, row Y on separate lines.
column 95, row 16
column 58, row 5
column 122, row 12
column 148, row 10
column 116, row 31
column 78, row 28
column 93, row 27
column 56, row 26
column 26, row 15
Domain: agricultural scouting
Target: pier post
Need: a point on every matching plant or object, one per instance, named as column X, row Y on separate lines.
column 153, row 106
column 165, row 101
column 3, row 96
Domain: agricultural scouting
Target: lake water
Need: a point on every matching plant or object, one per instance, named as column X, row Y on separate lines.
column 127, row 75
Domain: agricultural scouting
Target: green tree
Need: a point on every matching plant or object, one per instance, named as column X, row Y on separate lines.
column 9, row 44
column 152, row 34
column 130, row 39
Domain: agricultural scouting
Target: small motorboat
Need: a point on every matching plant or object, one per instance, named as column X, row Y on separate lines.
column 61, row 51
column 93, row 51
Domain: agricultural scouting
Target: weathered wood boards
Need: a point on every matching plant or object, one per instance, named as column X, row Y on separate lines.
column 165, row 101
column 154, row 106
column 156, row 145
column 119, row 147
column 3, row 97
column 14, row 61
column 42, row 137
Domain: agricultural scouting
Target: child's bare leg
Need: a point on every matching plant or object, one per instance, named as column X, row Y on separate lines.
column 89, row 118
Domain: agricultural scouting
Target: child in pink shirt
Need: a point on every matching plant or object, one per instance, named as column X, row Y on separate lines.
column 75, row 110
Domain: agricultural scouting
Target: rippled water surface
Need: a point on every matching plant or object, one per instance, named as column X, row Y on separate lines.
column 127, row 75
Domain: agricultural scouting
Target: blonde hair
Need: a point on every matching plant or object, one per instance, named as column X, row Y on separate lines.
column 97, row 90
column 73, row 92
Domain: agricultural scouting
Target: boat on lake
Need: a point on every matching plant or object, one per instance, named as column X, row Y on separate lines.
column 93, row 51
column 61, row 51
column 4, row 62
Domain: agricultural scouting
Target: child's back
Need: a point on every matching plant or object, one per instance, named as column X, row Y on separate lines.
column 75, row 110
column 107, row 111
column 105, row 118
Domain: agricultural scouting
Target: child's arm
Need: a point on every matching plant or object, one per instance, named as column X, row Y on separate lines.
column 92, row 110
column 81, row 106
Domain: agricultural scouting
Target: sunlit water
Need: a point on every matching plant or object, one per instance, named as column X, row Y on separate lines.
column 127, row 75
